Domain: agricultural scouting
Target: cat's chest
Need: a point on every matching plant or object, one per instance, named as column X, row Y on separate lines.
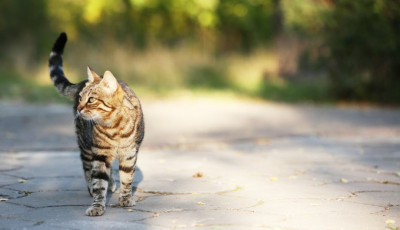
column 115, row 137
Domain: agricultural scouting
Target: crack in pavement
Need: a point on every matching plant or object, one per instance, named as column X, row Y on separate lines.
column 360, row 182
column 386, row 208
column 187, row 193
column 11, row 169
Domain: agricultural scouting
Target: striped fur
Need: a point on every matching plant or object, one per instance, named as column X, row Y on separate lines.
column 109, row 125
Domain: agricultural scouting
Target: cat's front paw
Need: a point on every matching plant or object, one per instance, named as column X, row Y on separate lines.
column 95, row 210
column 126, row 201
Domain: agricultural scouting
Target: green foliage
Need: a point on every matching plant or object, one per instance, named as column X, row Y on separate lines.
column 140, row 21
column 244, row 23
column 207, row 77
column 18, row 25
column 314, row 92
column 364, row 40
column 357, row 43
column 13, row 86
column 305, row 17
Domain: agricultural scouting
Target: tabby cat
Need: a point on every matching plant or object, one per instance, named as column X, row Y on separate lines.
column 109, row 124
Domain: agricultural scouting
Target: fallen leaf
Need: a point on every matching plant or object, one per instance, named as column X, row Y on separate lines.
column 274, row 178
column 156, row 214
column 21, row 180
column 173, row 210
column 130, row 210
column 390, row 222
column 324, row 182
column 261, row 141
column 344, row 180
column 3, row 199
column 201, row 203
column 261, row 202
column 300, row 172
column 198, row 175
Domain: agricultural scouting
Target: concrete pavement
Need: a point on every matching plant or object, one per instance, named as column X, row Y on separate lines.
column 209, row 164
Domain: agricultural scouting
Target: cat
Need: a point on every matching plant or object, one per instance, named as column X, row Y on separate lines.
column 109, row 125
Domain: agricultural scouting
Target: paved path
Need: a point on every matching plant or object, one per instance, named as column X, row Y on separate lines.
column 212, row 165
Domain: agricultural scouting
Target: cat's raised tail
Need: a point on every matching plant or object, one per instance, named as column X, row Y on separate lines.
column 57, row 75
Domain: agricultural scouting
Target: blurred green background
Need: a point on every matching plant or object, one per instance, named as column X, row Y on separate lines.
column 320, row 51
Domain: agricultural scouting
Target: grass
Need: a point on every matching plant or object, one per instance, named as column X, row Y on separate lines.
column 315, row 91
column 159, row 73
column 15, row 87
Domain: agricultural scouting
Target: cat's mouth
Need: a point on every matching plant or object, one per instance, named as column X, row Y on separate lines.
column 83, row 115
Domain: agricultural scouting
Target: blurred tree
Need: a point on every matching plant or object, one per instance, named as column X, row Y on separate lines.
column 364, row 41
column 21, row 30
column 299, row 26
column 234, row 24
column 244, row 24
column 360, row 40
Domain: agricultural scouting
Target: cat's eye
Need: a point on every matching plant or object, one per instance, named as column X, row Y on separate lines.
column 91, row 99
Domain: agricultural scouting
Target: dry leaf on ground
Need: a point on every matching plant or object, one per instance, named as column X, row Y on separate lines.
column 262, row 141
column 387, row 222
column 198, row 175
column 274, row 178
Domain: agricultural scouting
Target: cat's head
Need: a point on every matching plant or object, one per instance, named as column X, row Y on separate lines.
column 100, row 97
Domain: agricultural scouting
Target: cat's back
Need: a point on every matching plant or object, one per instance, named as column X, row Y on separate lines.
column 131, row 96
column 138, row 113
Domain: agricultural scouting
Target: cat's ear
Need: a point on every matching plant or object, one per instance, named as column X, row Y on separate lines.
column 92, row 76
column 109, row 82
